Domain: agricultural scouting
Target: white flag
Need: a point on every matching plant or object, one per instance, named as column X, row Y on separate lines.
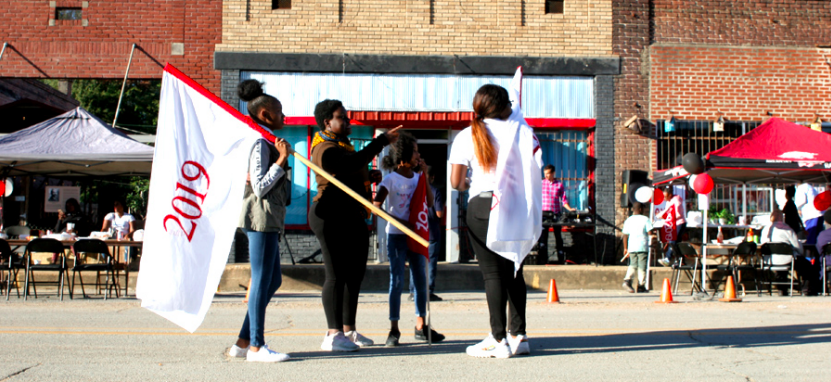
column 196, row 189
column 515, row 222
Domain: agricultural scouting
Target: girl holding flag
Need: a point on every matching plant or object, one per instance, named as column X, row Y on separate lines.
column 338, row 220
column 401, row 185
column 498, row 130
column 263, row 214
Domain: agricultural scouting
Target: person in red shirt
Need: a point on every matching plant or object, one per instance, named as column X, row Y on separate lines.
column 554, row 200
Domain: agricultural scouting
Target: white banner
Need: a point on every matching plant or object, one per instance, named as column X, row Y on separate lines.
column 515, row 222
column 196, row 190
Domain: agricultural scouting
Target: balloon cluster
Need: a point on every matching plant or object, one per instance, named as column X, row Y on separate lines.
column 646, row 194
column 700, row 182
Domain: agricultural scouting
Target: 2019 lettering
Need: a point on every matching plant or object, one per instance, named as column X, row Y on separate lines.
column 189, row 207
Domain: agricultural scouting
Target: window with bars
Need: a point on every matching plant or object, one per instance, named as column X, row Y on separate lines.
column 568, row 151
column 694, row 137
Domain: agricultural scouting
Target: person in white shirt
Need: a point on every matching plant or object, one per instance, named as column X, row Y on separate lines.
column 400, row 185
column 120, row 221
column 477, row 148
column 811, row 217
column 779, row 232
column 635, row 246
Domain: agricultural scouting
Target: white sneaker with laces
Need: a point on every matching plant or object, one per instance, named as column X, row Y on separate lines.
column 490, row 348
column 359, row 339
column 266, row 355
column 519, row 344
column 237, row 351
column 338, row 342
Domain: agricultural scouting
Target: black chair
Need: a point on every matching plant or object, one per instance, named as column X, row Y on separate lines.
column 746, row 249
column 16, row 231
column 100, row 248
column 12, row 263
column 687, row 261
column 59, row 264
column 826, row 266
column 778, row 257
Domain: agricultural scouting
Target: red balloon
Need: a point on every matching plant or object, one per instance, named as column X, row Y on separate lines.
column 658, row 196
column 703, row 184
column 2, row 187
column 822, row 201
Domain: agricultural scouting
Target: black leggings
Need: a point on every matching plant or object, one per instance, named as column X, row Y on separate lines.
column 501, row 287
column 344, row 242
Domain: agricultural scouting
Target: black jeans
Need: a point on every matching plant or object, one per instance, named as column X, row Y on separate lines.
column 344, row 242
column 543, row 247
column 501, row 287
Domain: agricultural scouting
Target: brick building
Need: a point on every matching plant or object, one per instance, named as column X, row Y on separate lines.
column 93, row 39
column 418, row 64
column 696, row 61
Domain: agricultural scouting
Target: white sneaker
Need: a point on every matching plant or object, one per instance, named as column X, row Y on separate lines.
column 237, row 351
column 338, row 342
column 359, row 339
column 519, row 345
column 266, row 355
column 490, row 348
column 664, row 262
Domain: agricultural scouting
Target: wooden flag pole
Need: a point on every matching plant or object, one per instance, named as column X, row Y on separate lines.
column 358, row 197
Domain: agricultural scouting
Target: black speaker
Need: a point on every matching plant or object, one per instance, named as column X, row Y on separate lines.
column 631, row 181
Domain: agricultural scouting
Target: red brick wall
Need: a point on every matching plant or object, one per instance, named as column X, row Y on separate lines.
column 743, row 22
column 744, row 83
column 102, row 48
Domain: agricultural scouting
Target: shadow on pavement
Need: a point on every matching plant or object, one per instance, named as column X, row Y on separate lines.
column 743, row 337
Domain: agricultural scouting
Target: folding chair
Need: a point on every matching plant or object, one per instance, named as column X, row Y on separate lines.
column 48, row 246
column 745, row 249
column 100, row 248
column 685, row 254
column 12, row 263
column 778, row 257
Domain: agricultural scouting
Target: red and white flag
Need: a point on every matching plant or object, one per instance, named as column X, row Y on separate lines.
column 196, row 189
column 418, row 217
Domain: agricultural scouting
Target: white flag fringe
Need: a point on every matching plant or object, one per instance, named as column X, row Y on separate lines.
column 515, row 222
column 196, row 189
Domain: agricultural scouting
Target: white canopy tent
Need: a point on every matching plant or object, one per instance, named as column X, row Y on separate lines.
column 75, row 143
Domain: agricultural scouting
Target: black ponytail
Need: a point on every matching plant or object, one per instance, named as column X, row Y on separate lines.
column 251, row 91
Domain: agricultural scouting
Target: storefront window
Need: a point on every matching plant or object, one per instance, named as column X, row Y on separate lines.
column 567, row 151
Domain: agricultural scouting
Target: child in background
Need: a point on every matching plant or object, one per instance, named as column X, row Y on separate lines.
column 635, row 244
column 400, row 185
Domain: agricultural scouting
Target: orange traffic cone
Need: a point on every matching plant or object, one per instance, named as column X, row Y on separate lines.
column 247, row 291
column 730, row 292
column 553, row 297
column 666, row 294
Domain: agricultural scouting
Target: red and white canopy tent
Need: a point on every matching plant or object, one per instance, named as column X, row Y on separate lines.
column 778, row 152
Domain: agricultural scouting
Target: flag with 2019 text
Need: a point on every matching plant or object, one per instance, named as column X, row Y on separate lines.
column 196, row 191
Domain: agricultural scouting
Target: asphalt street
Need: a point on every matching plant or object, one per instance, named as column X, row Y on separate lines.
column 591, row 336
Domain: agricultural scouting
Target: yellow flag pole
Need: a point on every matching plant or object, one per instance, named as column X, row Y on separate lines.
column 359, row 198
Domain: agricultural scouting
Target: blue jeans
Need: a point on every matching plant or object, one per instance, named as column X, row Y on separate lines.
column 399, row 254
column 264, row 254
column 433, row 251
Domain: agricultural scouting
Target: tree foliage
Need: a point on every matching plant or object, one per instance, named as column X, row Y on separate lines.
column 139, row 107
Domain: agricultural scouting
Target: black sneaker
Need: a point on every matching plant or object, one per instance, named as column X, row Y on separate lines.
column 642, row 289
column 421, row 335
column 410, row 297
column 392, row 339
column 433, row 297
column 627, row 286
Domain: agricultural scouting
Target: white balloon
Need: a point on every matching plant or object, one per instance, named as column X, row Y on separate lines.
column 644, row 194
column 692, row 181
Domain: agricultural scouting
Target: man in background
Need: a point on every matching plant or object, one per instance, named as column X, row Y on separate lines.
column 554, row 200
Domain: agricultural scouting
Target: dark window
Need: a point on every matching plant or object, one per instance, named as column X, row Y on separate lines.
column 68, row 13
column 694, row 137
column 280, row 4
column 555, row 6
